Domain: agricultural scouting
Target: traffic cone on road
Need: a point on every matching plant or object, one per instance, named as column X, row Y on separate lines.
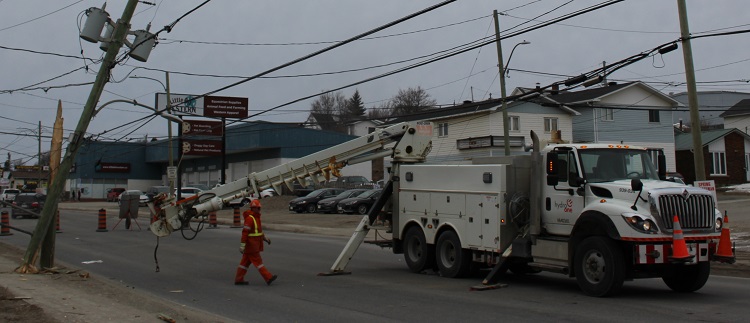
column 679, row 248
column 236, row 223
column 102, row 227
column 212, row 223
column 5, row 231
column 724, row 251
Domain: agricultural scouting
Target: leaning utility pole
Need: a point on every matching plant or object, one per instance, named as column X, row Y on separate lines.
column 50, row 209
column 695, row 122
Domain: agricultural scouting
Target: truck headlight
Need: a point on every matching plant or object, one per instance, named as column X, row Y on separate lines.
column 641, row 223
column 719, row 220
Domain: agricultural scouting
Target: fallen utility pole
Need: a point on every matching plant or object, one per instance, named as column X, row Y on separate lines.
column 56, row 187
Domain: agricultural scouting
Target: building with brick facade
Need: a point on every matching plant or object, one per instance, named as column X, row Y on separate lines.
column 726, row 155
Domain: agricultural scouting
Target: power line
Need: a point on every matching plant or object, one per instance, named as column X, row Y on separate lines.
column 40, row 17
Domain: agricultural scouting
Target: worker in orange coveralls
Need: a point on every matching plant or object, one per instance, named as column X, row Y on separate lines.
column 251, row 245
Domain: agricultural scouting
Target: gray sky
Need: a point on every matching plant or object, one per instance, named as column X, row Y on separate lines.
column 244, row 38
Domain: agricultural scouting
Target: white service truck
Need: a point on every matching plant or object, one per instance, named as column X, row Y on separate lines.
column 599, row 213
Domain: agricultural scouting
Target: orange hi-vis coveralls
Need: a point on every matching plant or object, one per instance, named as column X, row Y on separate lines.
column 252, row 237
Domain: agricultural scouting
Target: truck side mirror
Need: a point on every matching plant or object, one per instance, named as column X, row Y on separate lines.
column 576, row 181
column 551, row 163
column 552, row 180
column 636, row 185
column 662, row 166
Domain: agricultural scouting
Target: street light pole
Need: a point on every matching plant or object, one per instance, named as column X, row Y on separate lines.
column 506, row 131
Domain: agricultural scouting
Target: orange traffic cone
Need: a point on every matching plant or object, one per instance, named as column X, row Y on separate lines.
column 679, row 248
column 236, row 221
column 724, row 250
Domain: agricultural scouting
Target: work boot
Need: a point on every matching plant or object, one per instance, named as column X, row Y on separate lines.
column 271, row 280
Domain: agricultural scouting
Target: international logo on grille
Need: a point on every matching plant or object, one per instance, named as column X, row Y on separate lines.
column 685, row 194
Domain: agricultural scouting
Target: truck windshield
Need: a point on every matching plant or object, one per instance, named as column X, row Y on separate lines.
column 605, row 165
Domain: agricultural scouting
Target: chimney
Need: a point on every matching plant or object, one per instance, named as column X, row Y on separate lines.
column 537, row 86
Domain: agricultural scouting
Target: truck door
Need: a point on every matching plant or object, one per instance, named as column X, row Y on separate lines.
column 561, row 208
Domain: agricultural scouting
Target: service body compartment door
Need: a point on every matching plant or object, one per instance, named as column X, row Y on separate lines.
column 483, row 221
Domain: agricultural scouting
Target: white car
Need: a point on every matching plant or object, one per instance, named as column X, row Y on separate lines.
column 142, row 197
column 238, row 203
column 188, row 191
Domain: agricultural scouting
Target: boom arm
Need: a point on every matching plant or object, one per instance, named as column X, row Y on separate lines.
column 412, row 144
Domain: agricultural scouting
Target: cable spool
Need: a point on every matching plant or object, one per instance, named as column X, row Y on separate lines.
column 518, row 209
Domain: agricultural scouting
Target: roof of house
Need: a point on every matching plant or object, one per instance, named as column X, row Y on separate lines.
column 684, row 141
column 739, row 109
column 466, row 108
column 596, row 94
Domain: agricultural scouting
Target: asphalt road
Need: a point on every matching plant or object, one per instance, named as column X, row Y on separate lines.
column 199, row 274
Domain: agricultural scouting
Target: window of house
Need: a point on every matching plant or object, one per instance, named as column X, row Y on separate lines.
column 550, row 124
column 442, row 129
column 718, row 163
column 608, row 114
column 514, row 123
column 653, row 115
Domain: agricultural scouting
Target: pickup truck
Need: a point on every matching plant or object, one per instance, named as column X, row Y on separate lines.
column 9, row 194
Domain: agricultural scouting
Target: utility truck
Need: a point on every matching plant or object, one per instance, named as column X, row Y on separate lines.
column 600, row 213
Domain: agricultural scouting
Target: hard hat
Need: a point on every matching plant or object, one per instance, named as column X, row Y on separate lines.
column 255, row 203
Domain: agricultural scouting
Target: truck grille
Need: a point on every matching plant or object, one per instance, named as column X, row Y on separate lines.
column 695, row 212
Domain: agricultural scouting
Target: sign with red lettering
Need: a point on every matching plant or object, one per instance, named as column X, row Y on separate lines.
column 200, row 127
column 202, row 147
column 709, row 186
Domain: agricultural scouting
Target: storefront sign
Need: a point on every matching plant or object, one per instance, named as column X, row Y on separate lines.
column 202, row 147
column 112, row 167
column 203, row 128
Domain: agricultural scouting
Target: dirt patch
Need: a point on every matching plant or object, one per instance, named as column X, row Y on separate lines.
column 16, row 309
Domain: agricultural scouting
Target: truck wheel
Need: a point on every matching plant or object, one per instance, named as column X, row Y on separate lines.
column 362, row 209
column 417, row 253
column 312, row 207
column 687, row 278
column 599, row 266
column 452, row 260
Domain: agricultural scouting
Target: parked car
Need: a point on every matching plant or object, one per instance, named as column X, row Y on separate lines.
column 29, row 204
column 202, row 187
column 360, row 203
column 188, row 191
column 9, row 194
column 114, row 193
column 329, row 205
column 240, row 202
column 349, row 182
column 675, row 177
column 142, row 197
column 155, row 190
column 309, row 202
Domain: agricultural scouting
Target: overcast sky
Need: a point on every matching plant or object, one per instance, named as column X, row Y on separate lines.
column 232, row 39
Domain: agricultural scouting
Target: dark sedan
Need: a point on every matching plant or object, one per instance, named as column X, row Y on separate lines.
column 329, row 205
column 309, row 202
column 28, row 205
column 359, row 204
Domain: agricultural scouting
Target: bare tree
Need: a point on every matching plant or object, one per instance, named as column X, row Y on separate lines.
column 327, row 109
column 411, row 100
column 382, row 111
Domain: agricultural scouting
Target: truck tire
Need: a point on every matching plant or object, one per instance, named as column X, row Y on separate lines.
column 311, row 208
column 418, row 255
column 687, row 278
column 452, row 260
column 599, row 266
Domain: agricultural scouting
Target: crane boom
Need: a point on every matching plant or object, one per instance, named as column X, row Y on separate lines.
column 412, row 144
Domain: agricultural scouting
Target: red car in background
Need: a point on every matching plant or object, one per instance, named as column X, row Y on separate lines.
column 114, row 193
